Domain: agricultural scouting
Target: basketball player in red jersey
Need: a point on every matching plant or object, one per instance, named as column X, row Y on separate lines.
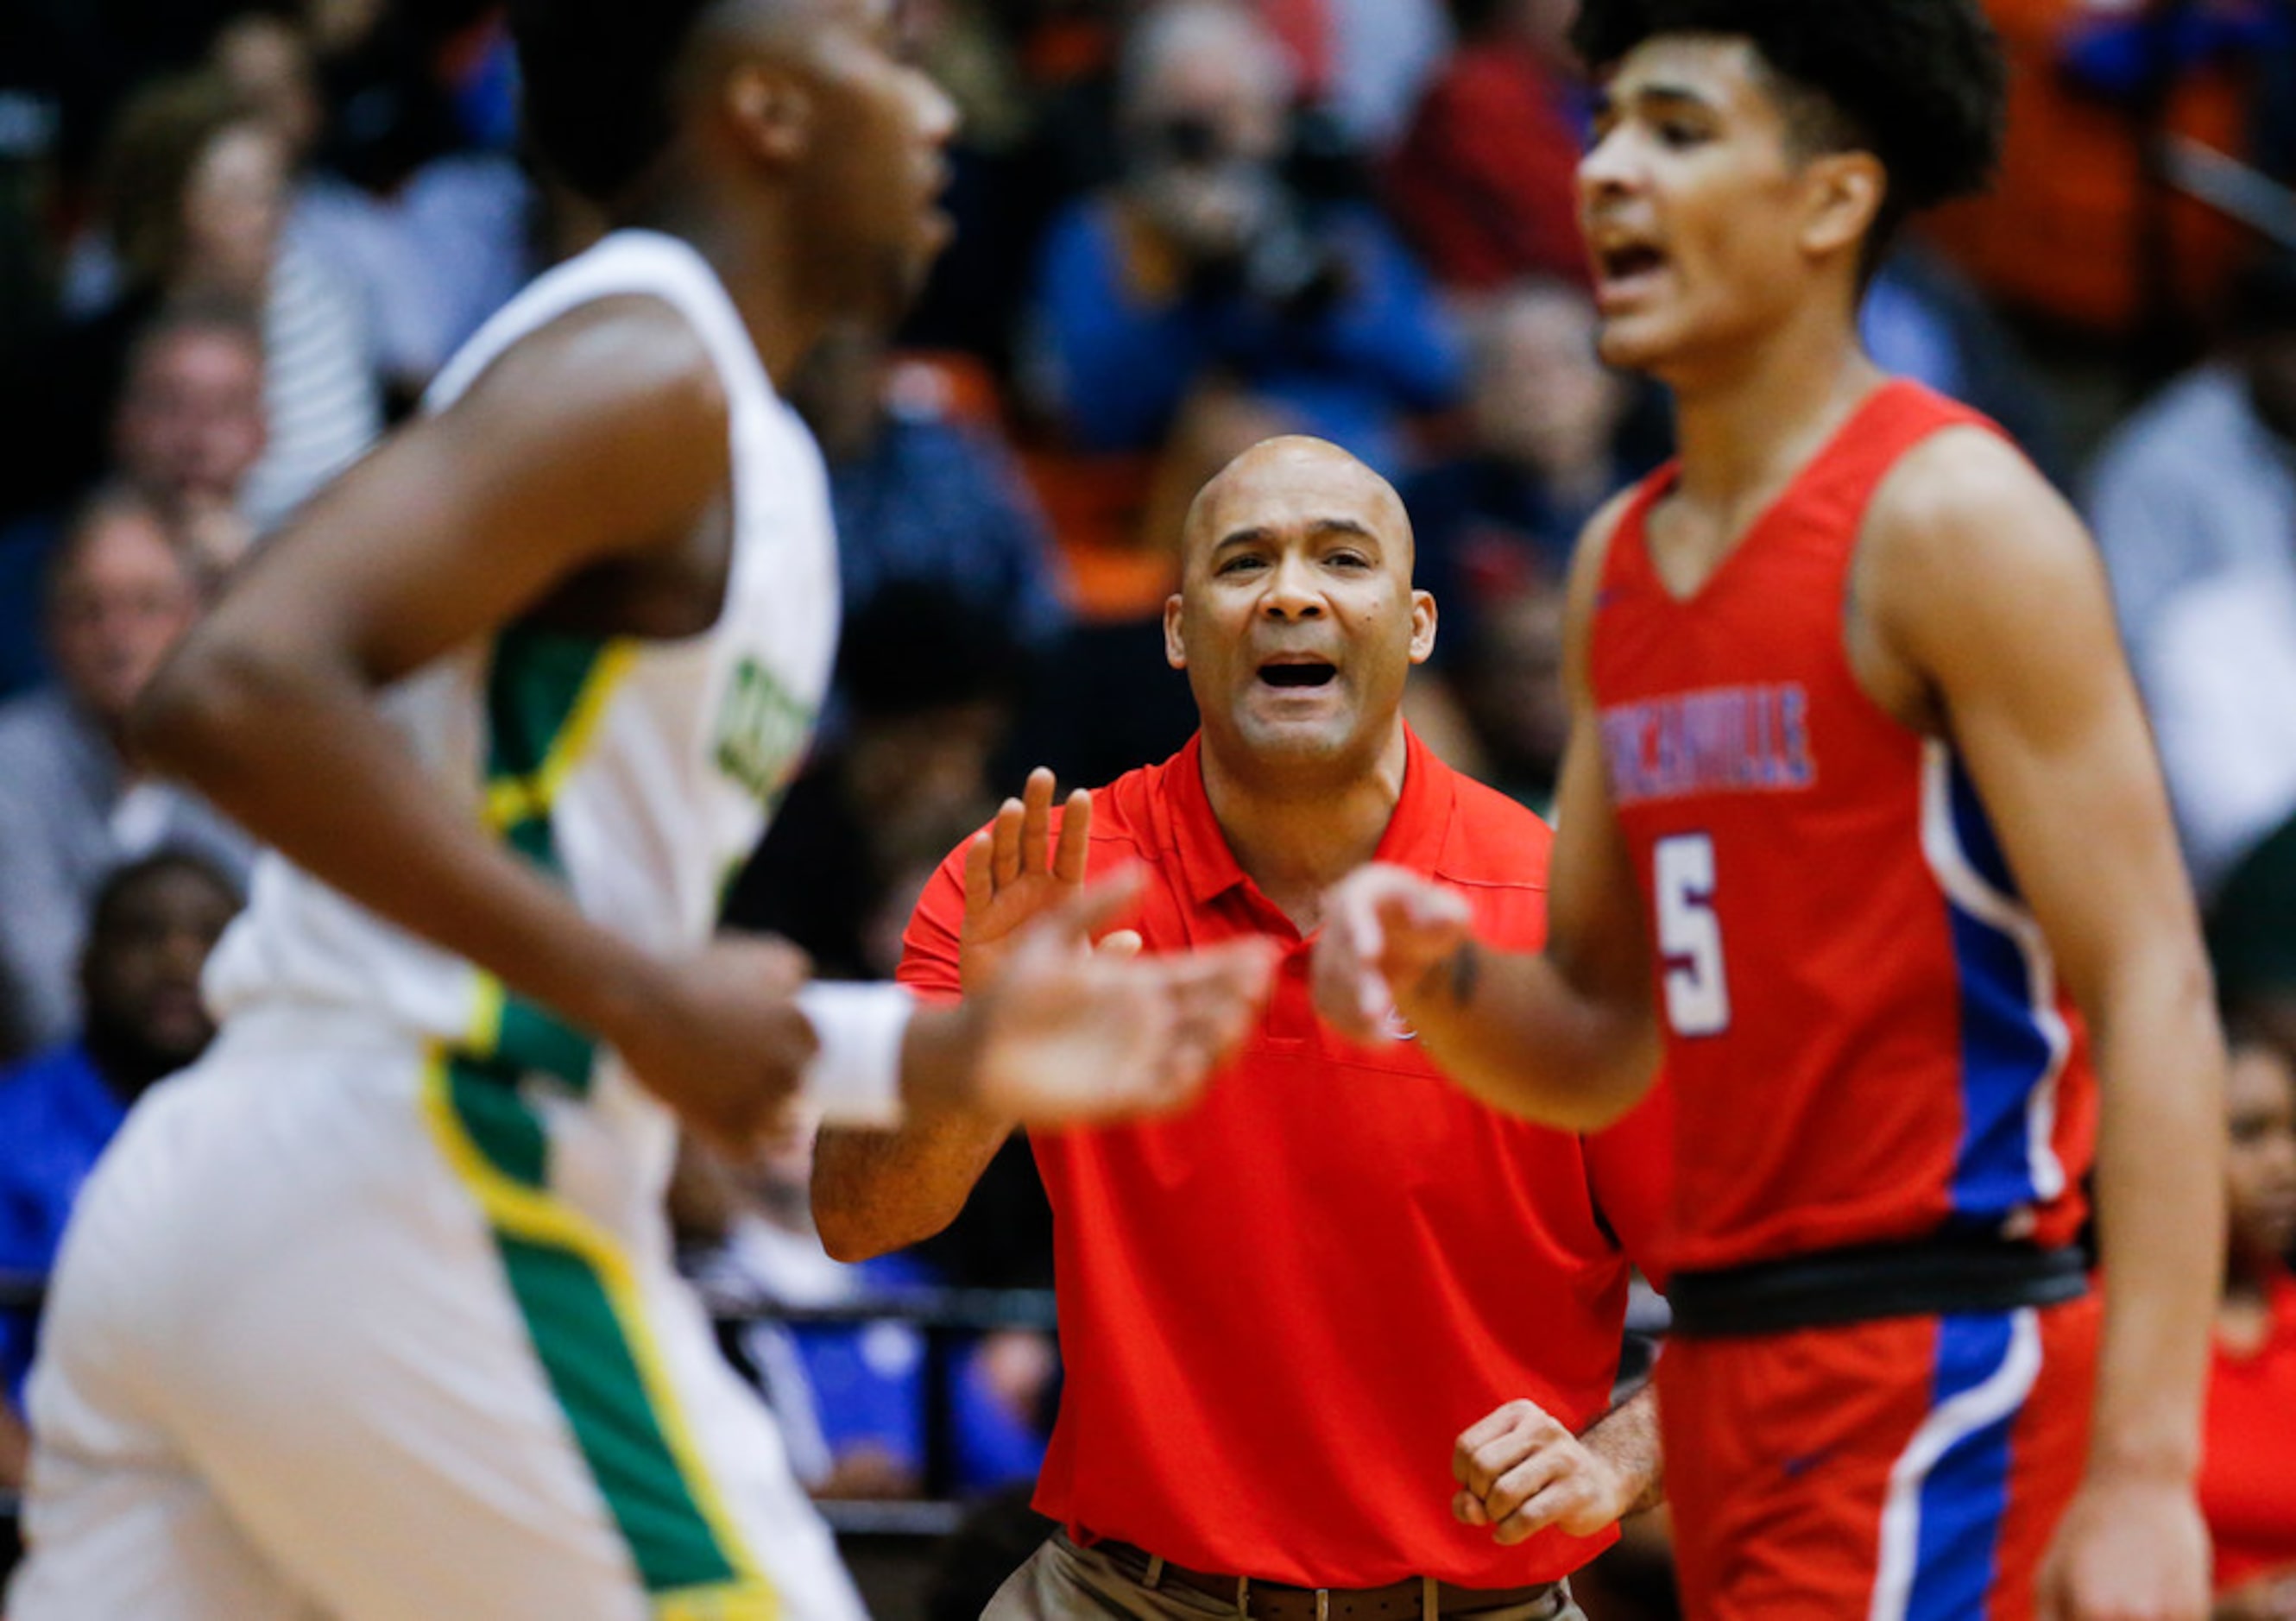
column 1860, row 819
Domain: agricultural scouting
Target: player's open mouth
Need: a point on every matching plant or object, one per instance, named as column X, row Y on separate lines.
column 1626, row 263
column 1311, row 673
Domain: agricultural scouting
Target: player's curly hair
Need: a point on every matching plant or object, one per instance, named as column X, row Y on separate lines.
column 1920, row 84
column 598, row 78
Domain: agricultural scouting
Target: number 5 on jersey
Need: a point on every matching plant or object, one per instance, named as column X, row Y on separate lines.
column 1690, row 936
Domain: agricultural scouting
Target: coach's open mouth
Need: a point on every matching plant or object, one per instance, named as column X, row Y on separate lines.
column 1293, row 673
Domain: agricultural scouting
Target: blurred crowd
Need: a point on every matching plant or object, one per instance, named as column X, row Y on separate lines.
column 237, row 240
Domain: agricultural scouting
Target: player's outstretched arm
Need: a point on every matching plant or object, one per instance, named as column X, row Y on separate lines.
column 1520, row 1471
column 1564, row 1035
column 1982, row 580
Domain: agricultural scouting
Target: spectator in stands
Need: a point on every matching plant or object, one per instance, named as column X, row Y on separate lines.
column 140, row 1018
column 923, row 496
column 926, row 683
column 1333, row 1231
column 431, row 256
column 194, row 204
column 120, row 591
column 198, row 205
column 1205, row 262
column 1509, row 681
column 1543, row 452
column 2193, row 502
column 849, row 1396
column 188, row 426
column 2248, row 1470
column 1485, row 181
column 191, row 425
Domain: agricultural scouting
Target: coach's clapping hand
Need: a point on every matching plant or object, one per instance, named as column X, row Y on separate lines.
column 1069, row 1033
column 1520, row 1471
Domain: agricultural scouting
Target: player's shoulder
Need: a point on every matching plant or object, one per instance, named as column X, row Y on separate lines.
column 1964, row 504
column 1966, row 471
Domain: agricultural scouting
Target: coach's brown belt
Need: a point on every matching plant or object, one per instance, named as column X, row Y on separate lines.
column 1404, row 1601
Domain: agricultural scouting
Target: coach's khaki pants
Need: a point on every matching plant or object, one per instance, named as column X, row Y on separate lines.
column 1066, row 1582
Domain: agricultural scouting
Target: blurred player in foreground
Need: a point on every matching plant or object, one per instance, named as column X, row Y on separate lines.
column 1860, row 792
column 1280, row 1313
column 373, row 1314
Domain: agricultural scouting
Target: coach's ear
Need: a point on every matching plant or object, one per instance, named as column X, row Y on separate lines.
column 1176, row 651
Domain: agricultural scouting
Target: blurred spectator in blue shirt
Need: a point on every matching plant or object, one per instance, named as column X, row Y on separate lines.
column 1210, row 262
column 925, row 491
column 149, row 934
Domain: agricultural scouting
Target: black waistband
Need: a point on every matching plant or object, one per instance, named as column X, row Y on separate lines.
column 1930, row 1277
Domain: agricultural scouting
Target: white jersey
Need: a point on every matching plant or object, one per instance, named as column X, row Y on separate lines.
column 638, row 773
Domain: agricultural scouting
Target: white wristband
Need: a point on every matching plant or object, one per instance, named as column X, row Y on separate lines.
column 854, row 1078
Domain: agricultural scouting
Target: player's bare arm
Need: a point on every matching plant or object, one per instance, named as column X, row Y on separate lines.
column 1520, row 1471
column 1567, row 1036
column 1978, row 584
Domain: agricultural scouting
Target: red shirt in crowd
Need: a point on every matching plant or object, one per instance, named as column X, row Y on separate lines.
column 2248, row 1460
column 1278, row 1310
column 1485, row 182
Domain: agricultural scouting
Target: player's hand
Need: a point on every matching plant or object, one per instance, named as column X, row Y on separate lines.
column 718, row 1038
column 1014, row 872
column 1070, row 1035
column 1520, row 1471
column 2130, row 1548
column 1384, row 927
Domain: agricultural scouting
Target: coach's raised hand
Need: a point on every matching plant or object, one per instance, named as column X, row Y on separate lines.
column 1069, row 1033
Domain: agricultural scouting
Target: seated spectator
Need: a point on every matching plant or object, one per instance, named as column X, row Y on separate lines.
column 1509, row 681
column 148, row 935
column 197, row 203
column 1485, row 182
column 119, row 594
column 2193, row 502
column 2248, row 1471
column 1206, row 263
column 431, row 250
column 191, row 425
column 188, row 427
column 1543, row 452
column 849, row 1396
column 2252, row 934
column 922, row 496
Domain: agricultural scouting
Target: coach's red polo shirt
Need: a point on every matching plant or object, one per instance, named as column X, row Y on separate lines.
column 1278, row 1311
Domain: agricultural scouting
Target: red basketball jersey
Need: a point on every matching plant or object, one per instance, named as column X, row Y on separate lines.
column 1863, row 1028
